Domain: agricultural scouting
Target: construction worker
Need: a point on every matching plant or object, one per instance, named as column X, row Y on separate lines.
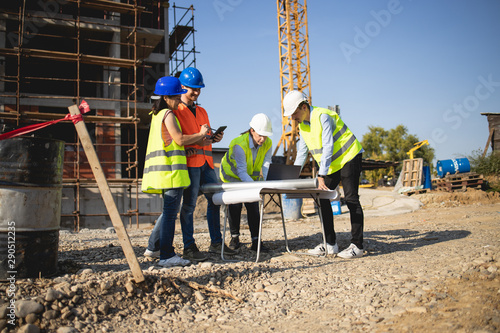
column 339, row 156
column 248, row 155
column 165, row 168
column 200, row 166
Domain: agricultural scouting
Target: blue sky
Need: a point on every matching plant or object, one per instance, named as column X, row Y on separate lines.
column 432, row 66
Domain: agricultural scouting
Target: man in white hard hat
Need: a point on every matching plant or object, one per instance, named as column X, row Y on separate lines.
column 339, row 155
column 249, row 154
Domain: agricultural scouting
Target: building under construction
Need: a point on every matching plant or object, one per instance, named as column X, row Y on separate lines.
column 56, row 53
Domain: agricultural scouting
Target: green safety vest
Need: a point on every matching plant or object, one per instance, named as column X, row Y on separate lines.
column 165, row 166
column 345, row 144
column 227, row 170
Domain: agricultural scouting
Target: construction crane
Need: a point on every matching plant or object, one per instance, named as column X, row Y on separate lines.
column 417, row 145
column 294, row 66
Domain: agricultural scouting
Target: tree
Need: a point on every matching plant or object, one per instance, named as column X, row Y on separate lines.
column 392, row 145
column 373, row 142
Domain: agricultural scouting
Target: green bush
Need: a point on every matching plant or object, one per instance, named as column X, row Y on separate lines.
column 488, row 165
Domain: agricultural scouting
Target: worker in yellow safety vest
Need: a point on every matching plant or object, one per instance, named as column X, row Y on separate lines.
column 339, row 156
column 165, row 168
column 249, row 154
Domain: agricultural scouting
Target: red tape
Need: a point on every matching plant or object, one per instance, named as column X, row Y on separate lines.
column 84, row 108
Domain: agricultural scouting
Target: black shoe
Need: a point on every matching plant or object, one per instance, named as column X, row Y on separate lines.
column 193, row 254
column 217, row 248
column 234, row 244
column 255, row 244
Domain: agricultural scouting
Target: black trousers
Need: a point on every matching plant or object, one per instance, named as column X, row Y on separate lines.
column 349, row 175
column 253, row 217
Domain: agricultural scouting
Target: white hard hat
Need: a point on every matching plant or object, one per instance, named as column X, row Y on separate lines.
column 261, row 124
column 291, row 102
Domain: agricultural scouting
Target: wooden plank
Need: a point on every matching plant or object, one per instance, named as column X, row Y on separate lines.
column 488, row 141
column 102, row 183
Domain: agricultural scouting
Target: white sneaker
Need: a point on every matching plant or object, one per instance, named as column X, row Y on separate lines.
column 351, row 252
column 152, row 254
column 320, row 249
column 174, row 261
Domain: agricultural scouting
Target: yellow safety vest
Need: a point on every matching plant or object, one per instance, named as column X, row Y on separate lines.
column 227, row 171
column 345, row 144
column 165, row 166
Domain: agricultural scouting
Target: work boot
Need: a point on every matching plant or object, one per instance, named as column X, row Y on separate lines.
column 234, row 244
column 193, row 254
column 255, row 244
column 217, row 248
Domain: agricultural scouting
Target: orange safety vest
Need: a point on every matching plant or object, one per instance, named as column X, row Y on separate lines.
column 192, row 125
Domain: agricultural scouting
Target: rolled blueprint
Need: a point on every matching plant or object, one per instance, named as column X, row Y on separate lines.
column 287, row 184
column 237, row 196
column 253, row 195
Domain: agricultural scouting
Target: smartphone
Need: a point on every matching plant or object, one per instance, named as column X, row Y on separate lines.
column 220, row 129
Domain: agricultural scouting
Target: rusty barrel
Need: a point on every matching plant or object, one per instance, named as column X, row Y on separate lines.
column 30, row 206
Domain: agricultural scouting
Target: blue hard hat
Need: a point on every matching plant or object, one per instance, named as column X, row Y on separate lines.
column 169, row 85
column 192, row 78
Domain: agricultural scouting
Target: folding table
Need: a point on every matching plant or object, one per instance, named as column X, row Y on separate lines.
column 315, row 194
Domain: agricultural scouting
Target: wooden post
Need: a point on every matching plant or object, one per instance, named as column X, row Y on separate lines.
column 102, row 183
column 488, row 141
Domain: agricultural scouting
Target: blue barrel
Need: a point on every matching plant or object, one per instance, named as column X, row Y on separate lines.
column 453, row 166
column 292, row 208
column 30, row 206
column 427, row 177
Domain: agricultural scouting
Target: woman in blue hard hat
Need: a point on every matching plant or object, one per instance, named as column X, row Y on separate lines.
column 165, row 168
column 249, row 154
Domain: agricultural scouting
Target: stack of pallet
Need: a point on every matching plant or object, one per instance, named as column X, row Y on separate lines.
column 459, row 182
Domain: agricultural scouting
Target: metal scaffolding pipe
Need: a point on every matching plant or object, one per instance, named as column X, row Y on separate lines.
column 310, row 183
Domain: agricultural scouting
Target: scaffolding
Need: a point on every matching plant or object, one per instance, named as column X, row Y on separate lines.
column 182, row 48
column 54, row 54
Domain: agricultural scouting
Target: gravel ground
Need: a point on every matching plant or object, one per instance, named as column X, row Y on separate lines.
column 432, row 270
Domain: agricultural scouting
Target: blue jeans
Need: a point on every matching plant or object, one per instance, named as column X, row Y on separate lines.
column 154, row 238
column 171, row 203
column 199, row 176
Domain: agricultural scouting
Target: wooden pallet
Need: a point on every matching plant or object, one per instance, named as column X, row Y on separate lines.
column 460, row 182
column 412, row 172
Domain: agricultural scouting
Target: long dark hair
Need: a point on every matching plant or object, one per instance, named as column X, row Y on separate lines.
column 159, row 105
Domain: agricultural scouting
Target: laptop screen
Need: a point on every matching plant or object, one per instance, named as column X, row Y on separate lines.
column 283, row 171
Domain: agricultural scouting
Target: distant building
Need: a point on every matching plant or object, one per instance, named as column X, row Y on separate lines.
column 493, row 130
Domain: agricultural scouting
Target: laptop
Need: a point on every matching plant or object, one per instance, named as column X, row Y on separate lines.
column 283, row 171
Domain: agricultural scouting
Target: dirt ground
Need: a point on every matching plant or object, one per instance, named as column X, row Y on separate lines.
column 435, row 269
column 475, row 297
column 473, row 300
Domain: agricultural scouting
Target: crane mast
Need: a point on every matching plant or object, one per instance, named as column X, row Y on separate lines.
column 294, row 66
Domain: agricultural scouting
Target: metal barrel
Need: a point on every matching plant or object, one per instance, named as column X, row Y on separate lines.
column 452, row 166
column 30, row 206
